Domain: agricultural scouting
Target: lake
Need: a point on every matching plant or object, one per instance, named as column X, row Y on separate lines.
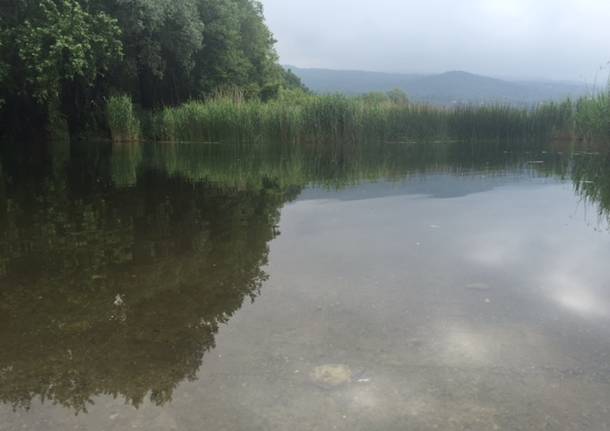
column 454, row 286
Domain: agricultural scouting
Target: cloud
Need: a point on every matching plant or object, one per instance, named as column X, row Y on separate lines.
column 560, row 39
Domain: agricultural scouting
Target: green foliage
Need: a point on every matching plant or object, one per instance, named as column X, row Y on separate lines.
column 161, row 39
column 374, row 98
column 398, row 97
column 63, row 43
column 592, row 117
column 296, row 116
column 122, row 119
column 160, row 52
column 178, row 50
column 291, row 81
column 238, row 48
column 4, row 66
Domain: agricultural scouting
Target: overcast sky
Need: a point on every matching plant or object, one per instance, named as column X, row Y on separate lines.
column 556, row 39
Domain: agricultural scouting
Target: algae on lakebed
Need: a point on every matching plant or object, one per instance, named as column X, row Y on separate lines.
column 331, row 375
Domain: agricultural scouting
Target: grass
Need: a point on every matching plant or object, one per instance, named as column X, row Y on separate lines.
column 592, row 117
column 122, row 119
column 340, row 119
column 336, row 120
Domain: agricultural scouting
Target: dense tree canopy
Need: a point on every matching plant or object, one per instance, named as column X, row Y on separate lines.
column 70, row 55
column 62, row 44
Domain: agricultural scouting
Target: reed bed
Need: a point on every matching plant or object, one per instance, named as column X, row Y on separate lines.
column 592, row 117
column 123, row 121
column 338, row 119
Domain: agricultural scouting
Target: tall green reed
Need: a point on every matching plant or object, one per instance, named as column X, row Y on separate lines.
column 592, row 117
column 122, row 119
column 338, row 119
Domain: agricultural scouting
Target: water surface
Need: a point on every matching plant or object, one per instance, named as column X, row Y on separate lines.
column 191, row 287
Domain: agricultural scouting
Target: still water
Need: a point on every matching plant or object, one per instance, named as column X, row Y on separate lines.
column 215, row 287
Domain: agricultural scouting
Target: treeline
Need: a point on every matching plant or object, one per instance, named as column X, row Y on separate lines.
column 63, row 59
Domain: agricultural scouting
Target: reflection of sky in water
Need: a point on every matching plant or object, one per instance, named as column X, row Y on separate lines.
column 562, row 255
column 577, row 299
column 455, row 297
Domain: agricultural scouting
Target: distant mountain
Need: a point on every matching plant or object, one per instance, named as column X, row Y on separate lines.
column 445, row 88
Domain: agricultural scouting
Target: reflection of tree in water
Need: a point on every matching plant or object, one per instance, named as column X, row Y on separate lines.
column 121, row 291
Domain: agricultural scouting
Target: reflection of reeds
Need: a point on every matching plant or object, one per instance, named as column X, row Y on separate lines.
column 126, row 159
column 276, row 165
column 590, row 174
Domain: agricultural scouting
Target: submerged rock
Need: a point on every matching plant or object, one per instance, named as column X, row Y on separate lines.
column 118, row 301
column 331, row 375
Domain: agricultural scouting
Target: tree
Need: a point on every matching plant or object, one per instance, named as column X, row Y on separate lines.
column 65, row 44
column 398, row 96
column 292, row 81
column 238, row 48
column 161, row 39
column 4, row 67
column 60, row 52
column 71, row 55
column 178, row 50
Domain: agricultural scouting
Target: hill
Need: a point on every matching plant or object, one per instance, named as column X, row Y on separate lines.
column 454, row 87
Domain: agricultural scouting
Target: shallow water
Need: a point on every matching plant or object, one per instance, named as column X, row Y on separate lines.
column 205, row 287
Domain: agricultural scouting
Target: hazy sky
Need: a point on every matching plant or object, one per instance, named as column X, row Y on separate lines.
column 559, row 39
